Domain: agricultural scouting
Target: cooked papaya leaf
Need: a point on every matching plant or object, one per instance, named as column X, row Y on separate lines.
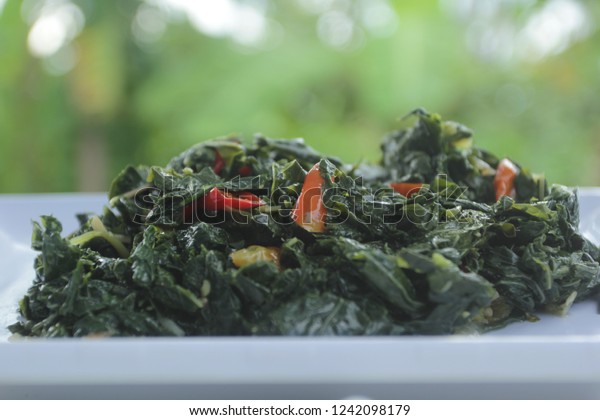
column 345, row 249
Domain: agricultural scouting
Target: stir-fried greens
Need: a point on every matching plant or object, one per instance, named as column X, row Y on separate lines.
column 274, row 238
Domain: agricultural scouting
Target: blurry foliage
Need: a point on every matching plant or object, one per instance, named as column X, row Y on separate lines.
column 114, row 94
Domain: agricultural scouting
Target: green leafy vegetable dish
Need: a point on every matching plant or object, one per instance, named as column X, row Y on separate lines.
column 273, row 238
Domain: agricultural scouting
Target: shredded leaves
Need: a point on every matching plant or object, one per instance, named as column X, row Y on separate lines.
column 213, row 244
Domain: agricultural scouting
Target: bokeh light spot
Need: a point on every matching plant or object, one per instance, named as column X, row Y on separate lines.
column 56, row 26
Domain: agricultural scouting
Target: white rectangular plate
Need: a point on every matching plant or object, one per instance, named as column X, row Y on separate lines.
column 557, row 357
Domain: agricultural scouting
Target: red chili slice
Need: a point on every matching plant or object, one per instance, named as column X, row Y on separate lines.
column 217, row 200
column 310, row 211
column 407, row 189
column 506, row 172
column 245, row 170
column 221, row 200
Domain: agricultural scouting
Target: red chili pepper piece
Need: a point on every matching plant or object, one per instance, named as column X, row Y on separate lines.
column 216, row 200
column 310, row 211
column 407, row 189
column 221, row 200
column 219, row 163
column 245, row 170
column 506, row 172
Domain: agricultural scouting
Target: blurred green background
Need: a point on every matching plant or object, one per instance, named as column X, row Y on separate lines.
column 87, row 87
